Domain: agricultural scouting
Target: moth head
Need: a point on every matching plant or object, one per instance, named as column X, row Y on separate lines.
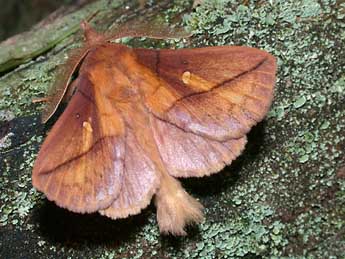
column 92, row 37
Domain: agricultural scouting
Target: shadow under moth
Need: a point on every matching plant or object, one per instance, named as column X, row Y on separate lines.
column 138, row 119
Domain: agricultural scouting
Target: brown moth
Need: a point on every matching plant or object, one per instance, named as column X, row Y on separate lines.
column 140, row 118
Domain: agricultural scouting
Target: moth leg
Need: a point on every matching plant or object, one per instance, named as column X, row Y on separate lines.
column 40, row 100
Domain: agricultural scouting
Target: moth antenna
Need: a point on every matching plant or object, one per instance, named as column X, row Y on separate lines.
column 175, row 207
column 63, row 78
column 64, row 74
column 149, row 29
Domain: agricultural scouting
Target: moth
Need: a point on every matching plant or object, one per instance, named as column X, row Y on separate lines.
column 138, row 119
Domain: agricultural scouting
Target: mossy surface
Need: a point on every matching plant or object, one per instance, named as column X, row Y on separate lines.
column 284, row 197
